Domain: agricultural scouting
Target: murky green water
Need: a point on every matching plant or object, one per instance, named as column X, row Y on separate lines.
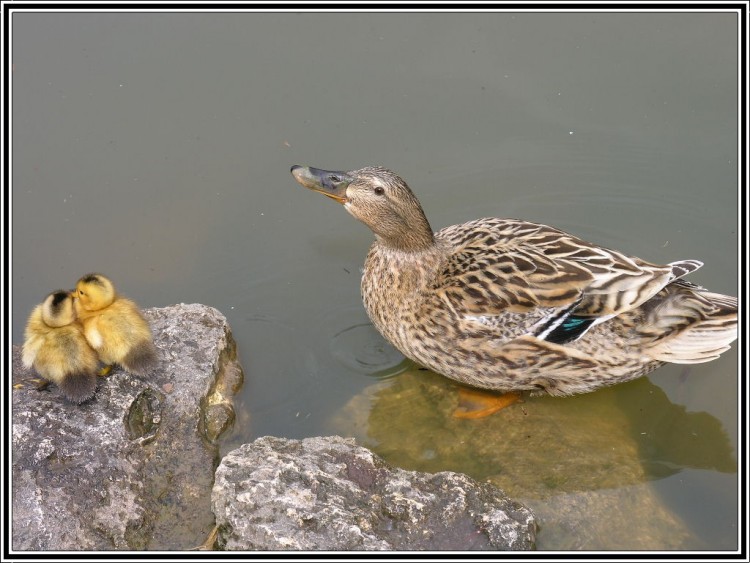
column 156, row 148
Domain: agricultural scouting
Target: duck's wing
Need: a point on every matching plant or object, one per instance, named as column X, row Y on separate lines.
column 34, row 339
column 501, row 265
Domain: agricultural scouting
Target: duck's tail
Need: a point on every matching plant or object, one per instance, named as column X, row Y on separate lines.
column 141, row 358
column 78, row 387
column 690, row 325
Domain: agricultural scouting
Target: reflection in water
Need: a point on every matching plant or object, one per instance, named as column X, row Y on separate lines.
column 668, row 437
column 573, row 460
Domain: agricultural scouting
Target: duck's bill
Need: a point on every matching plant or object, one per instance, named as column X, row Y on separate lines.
column 330, row 183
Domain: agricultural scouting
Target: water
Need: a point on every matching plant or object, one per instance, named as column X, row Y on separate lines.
column 156, row 148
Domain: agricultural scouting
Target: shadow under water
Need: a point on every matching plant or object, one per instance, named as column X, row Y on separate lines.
column 581, row 463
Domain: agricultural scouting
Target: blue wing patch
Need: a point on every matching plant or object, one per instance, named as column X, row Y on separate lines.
column 570, row 329
column 563, row 326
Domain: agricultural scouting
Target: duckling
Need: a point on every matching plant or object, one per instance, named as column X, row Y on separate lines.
column 55, row 347
column 113, row 325
column 509, row 305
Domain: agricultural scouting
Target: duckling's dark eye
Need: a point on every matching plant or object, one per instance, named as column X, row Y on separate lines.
column 379, row 190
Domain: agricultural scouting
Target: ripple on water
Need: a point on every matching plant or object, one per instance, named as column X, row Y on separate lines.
column 355, row 344
column 361, row 348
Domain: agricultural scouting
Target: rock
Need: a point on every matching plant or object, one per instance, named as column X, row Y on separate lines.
column 329, row 494
column 131, row 468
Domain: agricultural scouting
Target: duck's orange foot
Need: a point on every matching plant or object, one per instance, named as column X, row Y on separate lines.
column 474, row 403
column 104, row 372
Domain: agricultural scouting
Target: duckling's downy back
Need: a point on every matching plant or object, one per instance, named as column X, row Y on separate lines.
column 113, row 325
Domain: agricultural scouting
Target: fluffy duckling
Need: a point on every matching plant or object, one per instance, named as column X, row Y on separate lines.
column 113, row 325
column 510, row 305
column 55, row 347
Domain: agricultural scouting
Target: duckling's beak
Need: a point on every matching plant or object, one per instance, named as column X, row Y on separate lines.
column 328, row 182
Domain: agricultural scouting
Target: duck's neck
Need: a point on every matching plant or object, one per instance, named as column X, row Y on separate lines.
column 396, row 272
column 411, row 235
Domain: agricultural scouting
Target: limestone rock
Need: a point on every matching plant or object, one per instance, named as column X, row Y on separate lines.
column 329, row 494
column 131, row 468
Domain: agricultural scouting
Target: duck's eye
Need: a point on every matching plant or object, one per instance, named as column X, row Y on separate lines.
column 379, row 190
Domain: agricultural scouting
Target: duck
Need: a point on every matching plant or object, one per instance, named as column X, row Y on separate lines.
column 113, row 325
column 54, row 346
column 511, row 306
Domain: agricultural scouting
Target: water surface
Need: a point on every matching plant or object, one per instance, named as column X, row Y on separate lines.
column 156, row 148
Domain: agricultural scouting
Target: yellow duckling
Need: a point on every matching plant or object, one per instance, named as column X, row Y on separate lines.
column 113, row 325
column 55, row 347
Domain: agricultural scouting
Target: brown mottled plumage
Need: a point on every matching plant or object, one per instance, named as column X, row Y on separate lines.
column 113, row 325
column 55, row 347
column 509, row 305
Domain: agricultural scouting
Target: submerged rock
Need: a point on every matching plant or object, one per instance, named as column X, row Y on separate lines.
column 329, row 494
column 582, row 464
column 131, row 468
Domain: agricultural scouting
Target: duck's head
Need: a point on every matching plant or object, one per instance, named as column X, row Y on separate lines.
column 94, row 292
column 379, row 198
column 57, row 309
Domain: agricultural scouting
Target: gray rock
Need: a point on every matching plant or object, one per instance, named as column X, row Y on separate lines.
column 329, row 494
column 131, row 468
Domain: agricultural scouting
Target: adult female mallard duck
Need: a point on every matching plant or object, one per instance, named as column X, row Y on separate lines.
column 509, row 305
